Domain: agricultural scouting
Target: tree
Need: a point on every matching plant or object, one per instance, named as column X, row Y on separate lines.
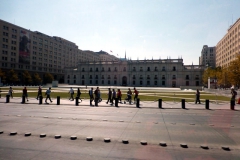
column 209, row 72
column 222, row 78
column 12, row 77
column 37, row 79
column 48, row 78
column 27, row 78
column 234, row 72
column 2, row 76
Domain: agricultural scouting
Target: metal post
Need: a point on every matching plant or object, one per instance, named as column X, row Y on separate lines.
column 232, row 104
column 137, row 104
column 7, row 98
column 76, row 101
column 207, row 104
column 116, row 102
column 159, row 103
column 40, row 99
column 23, row 99
column 58, row 100
column 183, row 103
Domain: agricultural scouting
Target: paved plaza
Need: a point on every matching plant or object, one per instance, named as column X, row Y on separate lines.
column 48, row 131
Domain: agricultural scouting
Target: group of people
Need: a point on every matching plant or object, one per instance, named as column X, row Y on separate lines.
column 233, row 96
column 96, row 95
column 112, row 96
column 71, row 92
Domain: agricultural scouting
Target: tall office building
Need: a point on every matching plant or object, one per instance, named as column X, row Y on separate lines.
column 208, row 56
column 22, row 49
column 228, row 47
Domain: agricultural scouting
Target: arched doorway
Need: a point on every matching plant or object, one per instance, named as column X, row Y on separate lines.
column 124, row 80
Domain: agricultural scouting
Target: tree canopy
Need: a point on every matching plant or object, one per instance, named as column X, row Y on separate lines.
column 226, row 77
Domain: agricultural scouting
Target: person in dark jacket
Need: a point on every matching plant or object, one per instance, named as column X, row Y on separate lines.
column 39, row 92
column 96, row 94
column 79, row 94
column 91, row 96
column 109, row 96
column 197, row 97
column 25, row 94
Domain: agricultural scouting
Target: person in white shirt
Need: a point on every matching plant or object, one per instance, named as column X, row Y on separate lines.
column 71, row 91
column 48, row 92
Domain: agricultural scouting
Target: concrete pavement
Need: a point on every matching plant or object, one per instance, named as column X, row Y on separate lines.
column 183, row 131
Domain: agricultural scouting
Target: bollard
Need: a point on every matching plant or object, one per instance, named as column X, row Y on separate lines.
column 159, row 103
column 183, row 103
column 40, row 99
column 7, row 98
column 207, row 104
column 116, row 102
column 137, row 104
column 58, row 100
column 232, row 104
column 23, row 99
column 76, row 101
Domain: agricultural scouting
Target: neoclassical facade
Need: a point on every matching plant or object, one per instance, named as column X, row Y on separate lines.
column 145, row 73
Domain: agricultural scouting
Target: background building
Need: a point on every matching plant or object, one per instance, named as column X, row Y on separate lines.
column 152, row 73
column 208, row 56
column 228, row 47
column 33, row 51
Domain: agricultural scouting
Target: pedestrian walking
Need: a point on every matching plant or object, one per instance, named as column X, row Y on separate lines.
column 99, row 96
column 96, row 94
column 129, row 96
column 79, row 94
column 25, row 94
column 109, row 95
column 10, row 92
column 135, row 94
column 90, row 92
column 39, row 92
column 48, row 95
column 233, row 97
column 119, row 95
column 113, row 96
column 71, row 92
column 197, row 97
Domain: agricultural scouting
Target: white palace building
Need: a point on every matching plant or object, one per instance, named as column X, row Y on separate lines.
column 141, row 73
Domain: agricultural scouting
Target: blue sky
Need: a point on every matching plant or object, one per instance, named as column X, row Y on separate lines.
column 143, row 28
